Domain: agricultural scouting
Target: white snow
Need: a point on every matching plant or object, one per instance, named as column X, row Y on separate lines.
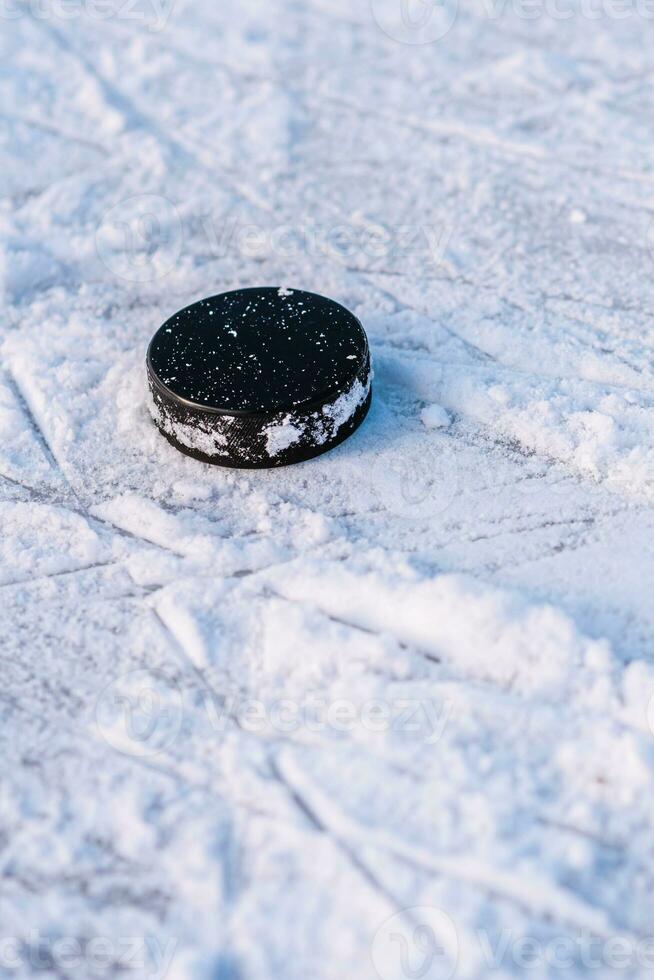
column 281, row 435
column 205, row 439
column 388, row 712
column 323, row 425
column 435, row 417
column 341, row 411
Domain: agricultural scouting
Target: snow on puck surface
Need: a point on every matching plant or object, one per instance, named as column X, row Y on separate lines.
column 259, row 377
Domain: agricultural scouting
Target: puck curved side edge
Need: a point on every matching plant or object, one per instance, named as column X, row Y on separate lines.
column 286, row 457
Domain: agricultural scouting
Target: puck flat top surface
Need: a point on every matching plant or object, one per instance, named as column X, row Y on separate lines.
column 260, row 350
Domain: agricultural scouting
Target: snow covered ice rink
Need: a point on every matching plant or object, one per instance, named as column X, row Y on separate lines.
column 386, row 714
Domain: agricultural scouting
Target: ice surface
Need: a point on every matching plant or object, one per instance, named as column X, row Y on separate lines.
column 257, row 724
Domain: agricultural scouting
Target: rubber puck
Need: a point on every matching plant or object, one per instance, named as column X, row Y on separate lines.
column 259, row 377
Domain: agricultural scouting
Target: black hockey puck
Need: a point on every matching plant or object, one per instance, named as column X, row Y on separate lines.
column 259, row 377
